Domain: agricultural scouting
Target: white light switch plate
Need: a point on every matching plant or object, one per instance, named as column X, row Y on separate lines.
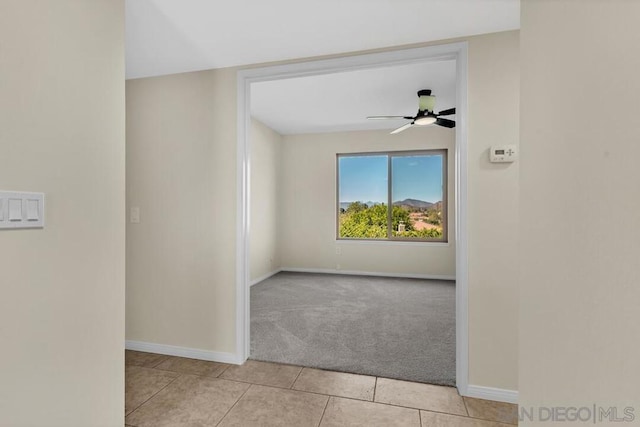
column 135, row 215
column 21, row 210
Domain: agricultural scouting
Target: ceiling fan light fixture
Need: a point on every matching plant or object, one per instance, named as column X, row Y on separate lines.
column 425, row 121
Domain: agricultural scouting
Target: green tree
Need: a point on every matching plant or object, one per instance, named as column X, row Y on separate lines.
column 356, row 207
column 364, row 222
column 400, row 214
column 361, row 221
column 426, row 233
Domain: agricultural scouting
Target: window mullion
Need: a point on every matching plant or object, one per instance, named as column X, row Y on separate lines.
column 389, row 205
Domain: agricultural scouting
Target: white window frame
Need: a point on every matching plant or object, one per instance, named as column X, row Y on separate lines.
column 390, row 155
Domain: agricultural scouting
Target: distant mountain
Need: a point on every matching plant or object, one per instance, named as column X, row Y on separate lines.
column 407, row 203
column 415, row 204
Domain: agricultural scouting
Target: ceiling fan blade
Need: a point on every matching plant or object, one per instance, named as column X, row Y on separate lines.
column 448, row 112
column 401, row 128
column 446, row 123
column 388, row 117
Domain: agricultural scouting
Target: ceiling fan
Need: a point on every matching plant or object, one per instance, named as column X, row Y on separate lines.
column 425, row 115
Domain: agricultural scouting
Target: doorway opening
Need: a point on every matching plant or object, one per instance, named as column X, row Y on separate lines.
column 457, row 54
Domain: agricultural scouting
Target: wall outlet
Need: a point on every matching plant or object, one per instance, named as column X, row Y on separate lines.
column 338, row 250
column 337, row 266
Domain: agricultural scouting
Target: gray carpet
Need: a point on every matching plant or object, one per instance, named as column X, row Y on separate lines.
column 388, row 327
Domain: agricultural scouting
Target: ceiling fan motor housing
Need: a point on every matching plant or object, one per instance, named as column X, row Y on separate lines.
column 426, row 102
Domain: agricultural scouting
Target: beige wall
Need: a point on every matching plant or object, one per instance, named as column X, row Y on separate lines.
column 62, row 133
column 181, row 173
column 493, row 211
column 182, row 147
column 308, row 201
column 266, row 149
column 580, row 204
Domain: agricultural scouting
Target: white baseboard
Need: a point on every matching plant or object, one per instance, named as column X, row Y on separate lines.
column 265, row 277
column 191, row 353
column 368, row 273
column 490, row 393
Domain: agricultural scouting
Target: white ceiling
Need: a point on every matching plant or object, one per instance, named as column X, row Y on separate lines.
column 341, row 101
column 171, row 36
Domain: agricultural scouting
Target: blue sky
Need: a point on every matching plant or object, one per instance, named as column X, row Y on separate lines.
column 364, row 178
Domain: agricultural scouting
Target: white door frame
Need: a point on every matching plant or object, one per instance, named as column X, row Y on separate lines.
column 455, row 51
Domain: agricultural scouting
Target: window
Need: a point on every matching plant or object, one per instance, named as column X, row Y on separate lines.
column 393, row 196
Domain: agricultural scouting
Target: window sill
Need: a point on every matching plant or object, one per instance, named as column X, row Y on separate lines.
column 391, row 243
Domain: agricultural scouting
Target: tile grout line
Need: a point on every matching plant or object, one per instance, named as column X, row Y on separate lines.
column 488, row 421
column 184, row 372
column 324, row 410
column 267, row 385
column 250, row 383
column 464, row 402
column 420, row 417
column 375, row 387
column 234, row 405
column 297, row 376
column 187, row 373
column 174, row 372
column 154, row 395
column 412, row 407
column 223, row 371
column 162, row 360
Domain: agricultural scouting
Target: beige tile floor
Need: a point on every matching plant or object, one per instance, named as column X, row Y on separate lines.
column 167, row 391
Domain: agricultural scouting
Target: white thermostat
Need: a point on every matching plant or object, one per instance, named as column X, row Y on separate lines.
column 503, row 154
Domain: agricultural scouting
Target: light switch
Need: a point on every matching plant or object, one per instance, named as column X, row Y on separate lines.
column 21, row 210
column 135, row 215
column 33, row 211
column 15, row 209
